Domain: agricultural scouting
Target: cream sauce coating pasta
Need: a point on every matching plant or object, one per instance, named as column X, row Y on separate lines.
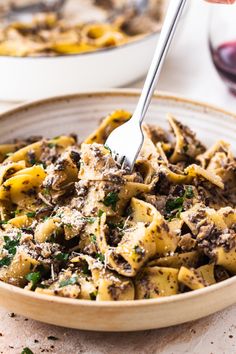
column 74, row 224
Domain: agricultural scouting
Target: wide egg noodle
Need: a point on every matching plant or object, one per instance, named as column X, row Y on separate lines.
column 148, row 237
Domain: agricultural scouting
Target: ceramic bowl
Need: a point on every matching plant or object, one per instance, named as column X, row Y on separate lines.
column 30, row 78
column 81, row 114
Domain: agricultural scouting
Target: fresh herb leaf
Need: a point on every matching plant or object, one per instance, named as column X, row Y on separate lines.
column 89, row 220
column 93, row 295
column 6, row 261
column 111, row 199
column 32, row 160
column 100, row 212
column 33, row 277
column 16, row 212
column 107, row 148
column 100, row 256
column 27, row 350
column 174, row 204
column 69, row 281
column 93, row 238
column 31, row 214
column 2, row 222
column 189, row 192
column 11, row 244
column 51, row 145
column 62, row 256
column 85, row 269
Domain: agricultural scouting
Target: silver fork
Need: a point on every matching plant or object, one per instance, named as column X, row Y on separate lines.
column 125, row 142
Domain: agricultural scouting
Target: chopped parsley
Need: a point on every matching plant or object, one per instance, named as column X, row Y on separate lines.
column 70, row 281
column 107, row 148
column 6, row 261
column 27, row 350
column 189, row 192
column 32, row 157
column 175, row 206
column 93, row 295
column 89, row 220
column 93, row 238
column 100, row 257
column 62, row 256
column 31, row 214
column 85, row 269
column 111, row 199
column 34, row 278
column 16, row 212
column 51, row 145
column 11, row 244
column 100, row 212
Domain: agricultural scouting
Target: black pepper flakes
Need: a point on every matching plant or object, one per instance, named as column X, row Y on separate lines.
column 52, row 338
column 12, row 315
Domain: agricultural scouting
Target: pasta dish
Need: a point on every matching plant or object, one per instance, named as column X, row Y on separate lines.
column 48, row 34
column 74, row 224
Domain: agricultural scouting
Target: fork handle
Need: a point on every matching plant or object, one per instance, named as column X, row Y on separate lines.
column 169, row 26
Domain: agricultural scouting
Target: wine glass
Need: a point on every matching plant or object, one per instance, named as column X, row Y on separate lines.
column 222, row 43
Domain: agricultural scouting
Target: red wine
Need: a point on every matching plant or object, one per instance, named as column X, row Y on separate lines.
column 224, row 58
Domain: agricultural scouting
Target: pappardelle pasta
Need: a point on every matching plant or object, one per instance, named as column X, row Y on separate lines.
column 48, row 36
column 74, row 224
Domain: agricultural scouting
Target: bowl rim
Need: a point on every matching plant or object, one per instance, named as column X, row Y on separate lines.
column 128, row 92
column 191, row 295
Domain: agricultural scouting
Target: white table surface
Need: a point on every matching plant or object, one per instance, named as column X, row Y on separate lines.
column 188, row 71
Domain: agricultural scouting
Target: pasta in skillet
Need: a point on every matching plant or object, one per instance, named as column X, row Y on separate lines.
column 46, row 35
column 78, row 28
column 74, row 224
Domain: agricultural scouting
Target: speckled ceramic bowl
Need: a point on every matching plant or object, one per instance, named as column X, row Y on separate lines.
column 80, row 114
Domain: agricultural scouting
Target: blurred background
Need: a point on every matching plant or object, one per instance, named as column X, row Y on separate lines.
column 190, row 68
